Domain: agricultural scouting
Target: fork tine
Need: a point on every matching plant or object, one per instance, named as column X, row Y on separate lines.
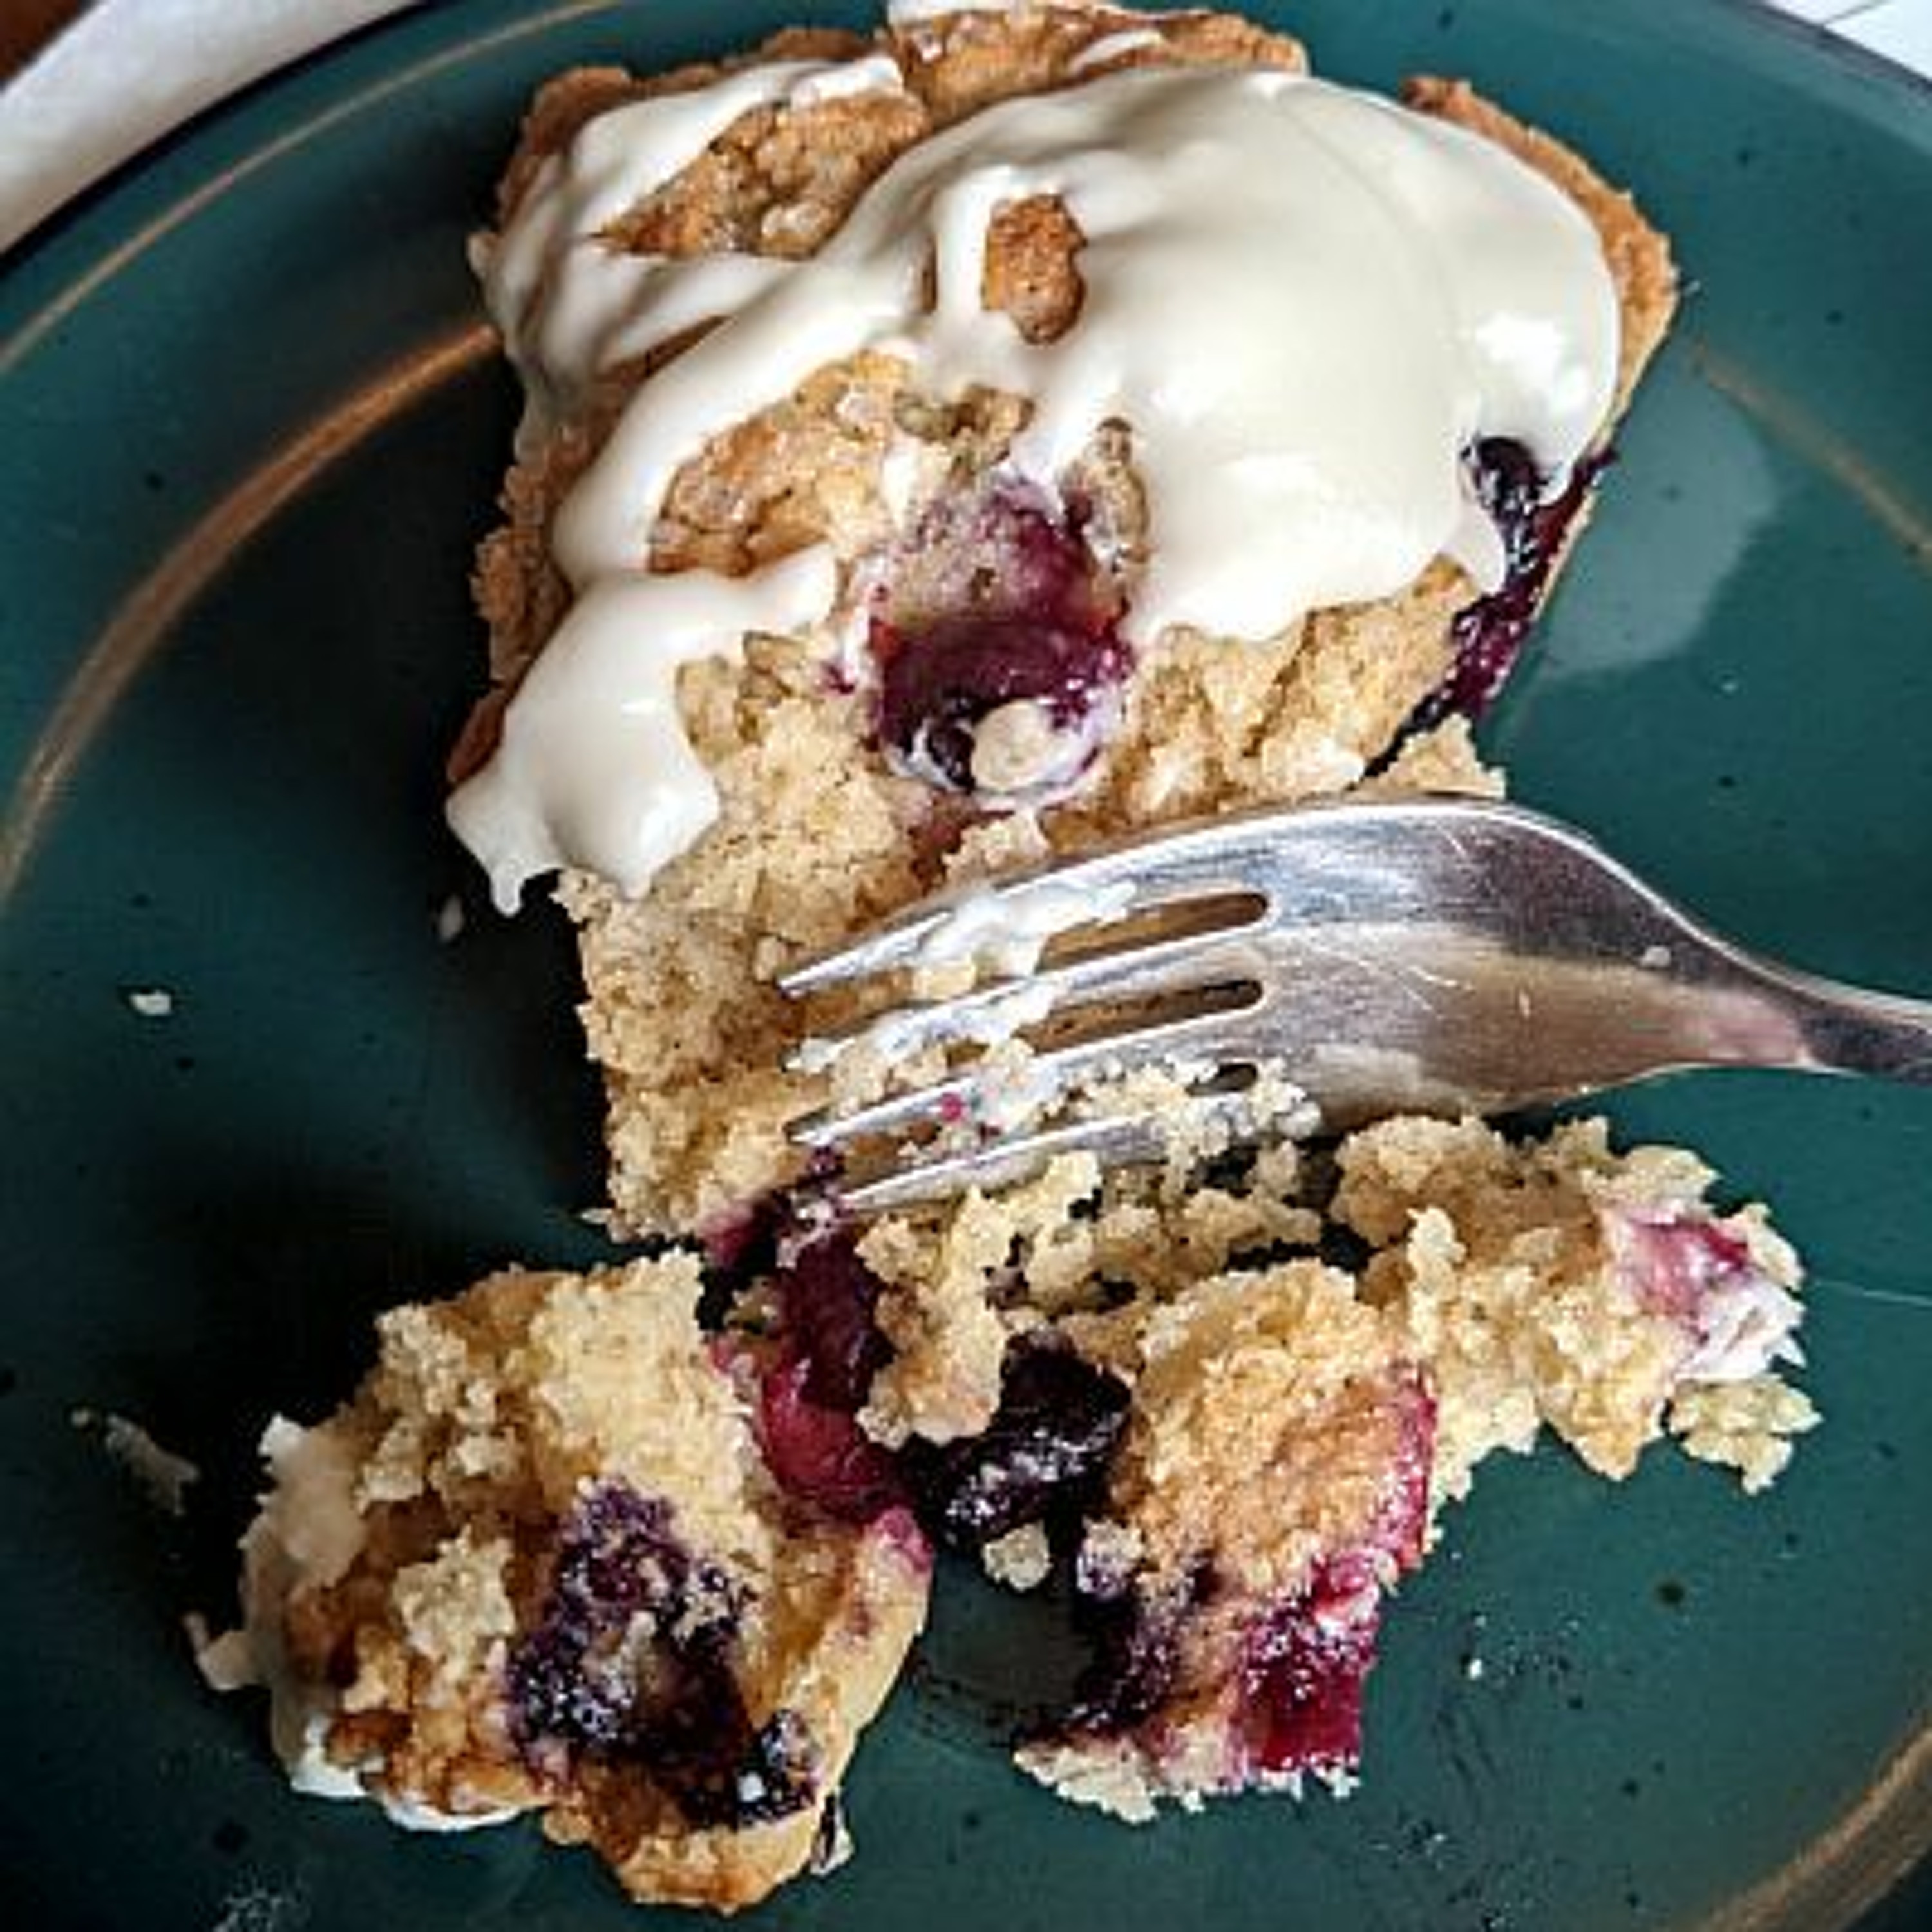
column 1019, row 914
column 1121, row 1141
column 1226, row 1034
column 988, row 1013
column 1114, row 1140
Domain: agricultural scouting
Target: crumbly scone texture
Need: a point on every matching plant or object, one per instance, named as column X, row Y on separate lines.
column 1314, row 1352
column 1278, row 1425
column 816, row 836
column 1512, row 1266
column 1290, row 1418
column 1292, row 1425
column 540, row 1421
column 1507, row 1266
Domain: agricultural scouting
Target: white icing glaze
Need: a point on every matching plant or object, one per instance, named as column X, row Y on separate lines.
column 1020, row 752
column 1433, row 289
column 910, row 12
column 1738, row 1321
column 1305, row 302
column 915, row 13
column 872, row 73
column 313, row 1773
column 594, row 768
column 1007, row 933
column 411, row 1817
column 1112, row 47
column 306, row 1533
column 310, row 1515
column 1750, row 1324
column 568, row 304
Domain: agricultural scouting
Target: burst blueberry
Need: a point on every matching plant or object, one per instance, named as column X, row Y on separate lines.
column 1028, row 626
column 631, row 1661
column 1043, row 1458
column 1490, row 634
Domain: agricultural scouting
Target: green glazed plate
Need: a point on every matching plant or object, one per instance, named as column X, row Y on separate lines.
column 252, row 429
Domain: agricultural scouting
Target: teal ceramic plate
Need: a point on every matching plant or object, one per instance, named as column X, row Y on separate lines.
column 251, row 430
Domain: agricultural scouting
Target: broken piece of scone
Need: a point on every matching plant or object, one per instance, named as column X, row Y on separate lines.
column 547, row 1559
column 565, row 1551
column 1239, row 1447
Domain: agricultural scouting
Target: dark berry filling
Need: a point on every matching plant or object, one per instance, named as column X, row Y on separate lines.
column 1298, row 1679
column 1136, row 1639
column 630, row 1662
column 1302, row 1672
column 743, row 1245
column 1490, row 634
column 826, row 1298
column 821, row 1455
column 829, row 1348
column 1299, row 1692
column 937, row 687
column 1042, row 1459
column 1017, row 618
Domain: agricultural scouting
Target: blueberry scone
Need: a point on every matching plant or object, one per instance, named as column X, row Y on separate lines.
column 565, row 1552
column 1238, row 1443
column 944, row 448
column 951, row 446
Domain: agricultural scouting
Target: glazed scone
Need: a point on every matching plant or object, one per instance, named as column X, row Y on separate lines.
column 897, row 642
column 945, row 449
column 560, row 1554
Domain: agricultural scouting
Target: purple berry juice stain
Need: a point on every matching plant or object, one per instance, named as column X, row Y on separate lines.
column 1036, row 632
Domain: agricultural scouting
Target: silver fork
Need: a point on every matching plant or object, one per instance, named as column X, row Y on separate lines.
column 1445, row 956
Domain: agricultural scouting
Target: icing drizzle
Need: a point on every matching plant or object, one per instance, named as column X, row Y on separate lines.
column 1305, row 303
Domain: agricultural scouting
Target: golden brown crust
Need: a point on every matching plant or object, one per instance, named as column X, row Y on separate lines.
column 966, row 62
column 1031, row 273
column 715, row 204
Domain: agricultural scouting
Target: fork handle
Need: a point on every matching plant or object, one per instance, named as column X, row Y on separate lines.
column 1850, row 1030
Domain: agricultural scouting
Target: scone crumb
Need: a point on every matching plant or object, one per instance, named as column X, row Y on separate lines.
column 942, row 1273
column 1021, row 1559
column 1746, row 1426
